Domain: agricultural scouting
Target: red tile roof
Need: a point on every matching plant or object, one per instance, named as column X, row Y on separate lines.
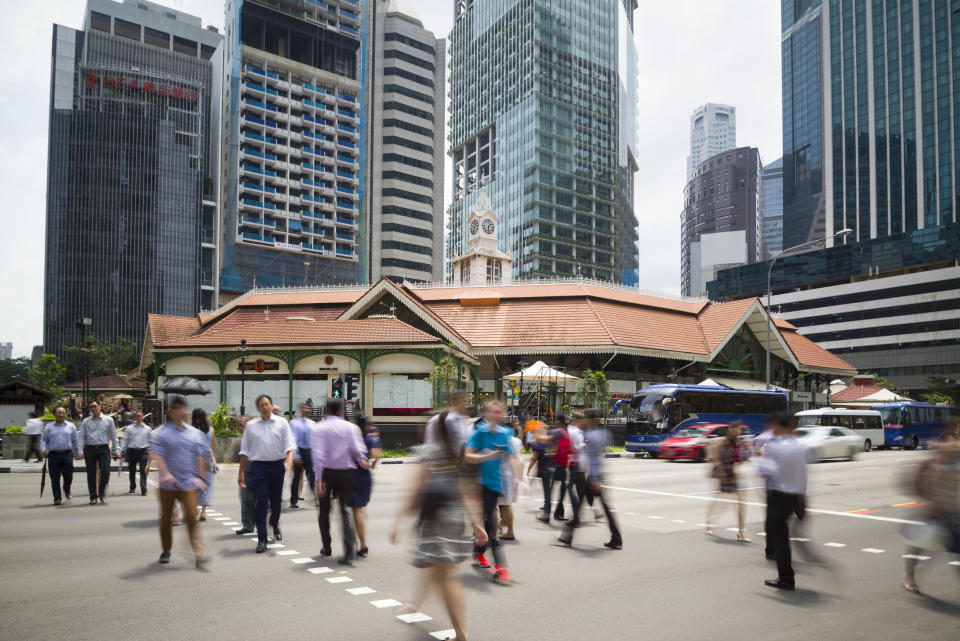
column 812, row 355
column 165, row 328
column 854, row 393
column 718, row 319
column 247, row 315
column 369, row 331
column 111, row 382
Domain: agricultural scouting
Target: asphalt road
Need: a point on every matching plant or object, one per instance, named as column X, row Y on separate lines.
column 80, row 572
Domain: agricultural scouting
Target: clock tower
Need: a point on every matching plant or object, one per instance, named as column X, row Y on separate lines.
column 482, row 263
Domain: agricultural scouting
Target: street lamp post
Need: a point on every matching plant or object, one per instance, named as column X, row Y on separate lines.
column 83, row 324
column 843, row 233
column 521, row 365
column 243, row 370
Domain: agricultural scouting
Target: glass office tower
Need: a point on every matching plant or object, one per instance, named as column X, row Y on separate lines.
column 543, row 101
column 293, row 144
column 130, row 178
column 894, row 107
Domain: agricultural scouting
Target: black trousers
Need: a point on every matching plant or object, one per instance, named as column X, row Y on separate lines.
column 306, row 456
column 490, row 514
column 266, row 479
column 559, row 475
column 768, row 541
column 137, row 458
column 589, row 495
column 33, row 447
column 779, row 509
column 339, row 486
column 546, row 479
column 97, row 456
column 60, row 464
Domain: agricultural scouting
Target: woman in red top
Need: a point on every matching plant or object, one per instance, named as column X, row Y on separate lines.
column 725, row 456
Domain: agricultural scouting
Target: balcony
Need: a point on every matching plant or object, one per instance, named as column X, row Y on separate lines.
column 346, row 221
column 346, row 29
column 344, row 236
column 346, row 114
column 346, row 190
column 344, row 252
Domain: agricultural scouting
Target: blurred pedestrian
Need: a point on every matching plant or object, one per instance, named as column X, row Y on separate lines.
column 784, row 462
column 759, row 444
column 511, row 471
column 60, row 445
column 489, row 443
column 96, row 434
column 596, row 439
column 543, row 459
column 136, row 440
column 180, row 452
column 200, row 421
column 33, row 429
column 303, row 428
column 725, row 455
column 445, row 516
column 248, row 501
column 363, row 479
column 338, row 449
column 564, row 458
column 455, row 418
column 267, row 448
column 937, row 483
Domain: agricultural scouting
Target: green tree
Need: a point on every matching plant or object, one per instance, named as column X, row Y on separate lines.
column 936, row 398
column 592, row 389
column 103, row 357
column 48, row 375
column 220, row 422
column 14, row 368
column 443, row 378
column 946, row 388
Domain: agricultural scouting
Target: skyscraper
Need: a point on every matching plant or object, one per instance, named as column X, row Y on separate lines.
column 713, row 129
column 803, row 204
column 720, row 226
column 543, row 111
column 893, row 102
column 293, row 140
column 6, row 351
column 771, row 209
column 131, row 171
column 404, row 172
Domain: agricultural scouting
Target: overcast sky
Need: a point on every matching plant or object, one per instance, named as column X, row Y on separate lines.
column 691, row 52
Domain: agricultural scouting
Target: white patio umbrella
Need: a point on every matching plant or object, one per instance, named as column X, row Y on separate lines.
column 540, row 372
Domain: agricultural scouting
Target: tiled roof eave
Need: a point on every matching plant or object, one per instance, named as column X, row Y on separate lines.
column 588, row 349
column 252, row 349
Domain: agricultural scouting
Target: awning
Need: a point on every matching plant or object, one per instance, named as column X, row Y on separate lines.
column 542, row 372
column 742, row 384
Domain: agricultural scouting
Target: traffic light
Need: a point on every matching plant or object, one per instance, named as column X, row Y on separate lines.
column 338, row 387
column 351, row 387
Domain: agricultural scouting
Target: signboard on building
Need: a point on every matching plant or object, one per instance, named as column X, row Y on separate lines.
column 802, row 397
column 120, row 83
column 260, row 365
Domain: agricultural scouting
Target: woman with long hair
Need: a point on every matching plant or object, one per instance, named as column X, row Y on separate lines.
column 200, row 421
column 726, row 455
column 363, row 480
column 440, row 497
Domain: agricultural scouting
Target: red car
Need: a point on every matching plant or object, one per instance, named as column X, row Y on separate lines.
column 691, row 443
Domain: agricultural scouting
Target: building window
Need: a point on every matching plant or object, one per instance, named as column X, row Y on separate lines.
column 126, row 29
column 156, row 38
column 184, row 46
column 206, row 51
column 493, row 270
column 100, row 22
column 465, row 271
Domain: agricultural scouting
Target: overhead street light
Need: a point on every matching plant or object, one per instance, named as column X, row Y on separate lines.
column 843, row 233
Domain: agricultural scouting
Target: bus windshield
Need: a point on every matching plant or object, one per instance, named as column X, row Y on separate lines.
column 654, row 407
column 890, row 415
column 803, row 421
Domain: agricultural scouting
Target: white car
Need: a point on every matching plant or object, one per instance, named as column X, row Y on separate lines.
column 829, row 442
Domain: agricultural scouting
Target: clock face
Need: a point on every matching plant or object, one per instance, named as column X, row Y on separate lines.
column 488, row 227
column 474, row 227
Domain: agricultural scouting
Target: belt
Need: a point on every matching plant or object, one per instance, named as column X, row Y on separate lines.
column 96, row 445
column 279, row 460
column 60, row 451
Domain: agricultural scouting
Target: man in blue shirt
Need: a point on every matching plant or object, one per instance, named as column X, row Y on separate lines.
column 303, row 428
column 180, row 452
column 59, row 443
column 489, row 442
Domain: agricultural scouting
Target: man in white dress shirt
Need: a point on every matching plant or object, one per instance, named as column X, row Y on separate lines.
column 784, row 464
column 267, row 447
column 136, row 441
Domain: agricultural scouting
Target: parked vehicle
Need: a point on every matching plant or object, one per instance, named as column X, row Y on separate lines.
column 829, row 442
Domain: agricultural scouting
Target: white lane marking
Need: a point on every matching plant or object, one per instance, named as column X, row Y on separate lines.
column 873, row 550
column 385, row 603
column 742, row 489
column 221, row 518
column 230, row 523
column 250, row 534
column 287, row 552
column 835, row 545
column 957, row 563
column 444, row 635
column 703, row 525
column 359, row 591
column 323, row 570
column 760, row 534
column 303, row 559
column 414, row 617
column 275, row 545
column 864, row 469
column 677, row 521
column 918, row 557
column 654, row 517
column 339, row 579
column 209, row 513
column 850, row 515
column 799, row 539
column 632, row 513
column 733, row 529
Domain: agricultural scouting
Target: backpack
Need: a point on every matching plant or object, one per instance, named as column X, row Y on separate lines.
column 564, row 454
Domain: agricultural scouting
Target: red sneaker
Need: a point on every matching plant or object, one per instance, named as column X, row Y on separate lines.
column 480, row 561
column 500, row 574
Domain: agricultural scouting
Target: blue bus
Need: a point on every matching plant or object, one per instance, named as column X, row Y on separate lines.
column 661, row 410
column 910, row 424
